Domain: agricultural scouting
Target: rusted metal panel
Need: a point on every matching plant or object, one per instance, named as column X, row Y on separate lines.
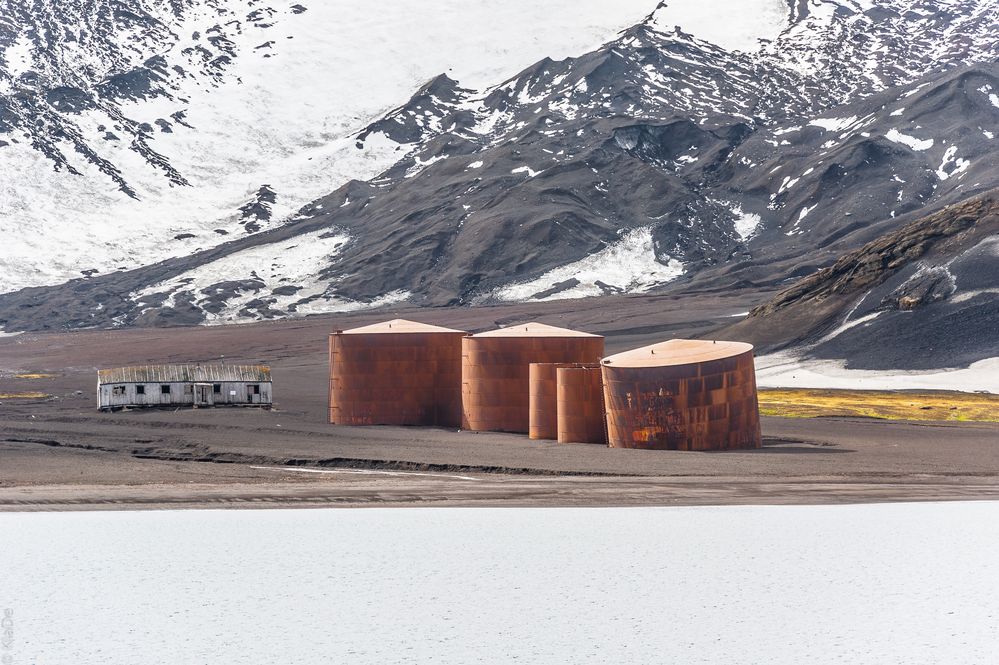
column 495, row 371
column 682, row 395
column 543, row 398
column 212, row 373
column 580, row 405
column 542, row 413
column 396, row 373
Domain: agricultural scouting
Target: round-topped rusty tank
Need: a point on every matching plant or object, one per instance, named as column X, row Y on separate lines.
column 682, row 394
column 495, row 371
column 396, row 373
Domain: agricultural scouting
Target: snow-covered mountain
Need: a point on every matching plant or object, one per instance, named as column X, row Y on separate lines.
column 132, row 131
column 660, row 160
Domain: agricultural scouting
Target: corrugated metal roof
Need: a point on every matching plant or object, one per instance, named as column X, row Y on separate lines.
column 184, row 373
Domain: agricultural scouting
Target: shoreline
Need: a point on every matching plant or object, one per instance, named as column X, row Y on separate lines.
column 403, row 489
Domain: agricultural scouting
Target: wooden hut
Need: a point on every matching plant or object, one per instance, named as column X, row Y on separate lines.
column 184, row 385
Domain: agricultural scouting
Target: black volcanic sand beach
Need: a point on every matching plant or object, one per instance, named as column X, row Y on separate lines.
column 59, row 452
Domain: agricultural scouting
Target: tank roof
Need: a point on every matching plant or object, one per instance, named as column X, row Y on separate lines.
column 534, row 329
column 399, row 326
column 677, row 352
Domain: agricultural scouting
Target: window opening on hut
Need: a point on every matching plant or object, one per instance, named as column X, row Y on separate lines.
column 164, row 390
column 140, row 390
column 118, row 390
column 189, row 389
column 217, row 388
column 253, row 389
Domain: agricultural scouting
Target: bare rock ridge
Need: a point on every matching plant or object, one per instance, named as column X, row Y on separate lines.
column 924, row 292
column 872, row 264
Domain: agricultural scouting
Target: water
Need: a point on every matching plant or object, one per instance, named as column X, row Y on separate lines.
column 896, row 583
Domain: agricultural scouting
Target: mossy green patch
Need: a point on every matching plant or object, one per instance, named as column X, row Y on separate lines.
column 887, row 404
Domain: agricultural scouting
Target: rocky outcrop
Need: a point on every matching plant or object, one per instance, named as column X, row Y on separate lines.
column 876, row 261
column 927, row 286
column 922, row 297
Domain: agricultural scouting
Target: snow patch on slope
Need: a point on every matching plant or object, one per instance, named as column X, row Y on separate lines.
column 629, row 265
column 911, row 141
column 18, row 56
column 107, row 232
column 791, row 370
column 526, row 169
column 949, row 157
column 746, row 223
column 834, row 124
column 253, row 275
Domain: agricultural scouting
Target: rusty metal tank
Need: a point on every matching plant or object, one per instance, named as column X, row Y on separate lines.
column 682, row 395
column 495, row 371
column 542, row 414
column 542, row 422
column 580, row 405
column 396, row 373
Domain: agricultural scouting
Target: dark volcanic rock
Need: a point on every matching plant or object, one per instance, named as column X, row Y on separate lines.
column 257, row 210
column 68, row 98
column 921, row 297
column 877, row 261
column 926, row 286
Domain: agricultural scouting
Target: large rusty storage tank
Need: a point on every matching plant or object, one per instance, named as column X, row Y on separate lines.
column 495, row 371
column 542, row 422
column 580, row 405
column 682, row 395
column 396, row 373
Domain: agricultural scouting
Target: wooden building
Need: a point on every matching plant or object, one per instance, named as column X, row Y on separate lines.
column 184, row 385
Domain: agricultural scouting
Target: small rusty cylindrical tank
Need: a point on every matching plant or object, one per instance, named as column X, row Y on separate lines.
column 396, row 373
column 542, row 414
column 542, row 420
column 495, row 371
column 682, row 395
column 580, row 405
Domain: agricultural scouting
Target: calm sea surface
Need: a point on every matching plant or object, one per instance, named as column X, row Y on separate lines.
column 891, row 583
